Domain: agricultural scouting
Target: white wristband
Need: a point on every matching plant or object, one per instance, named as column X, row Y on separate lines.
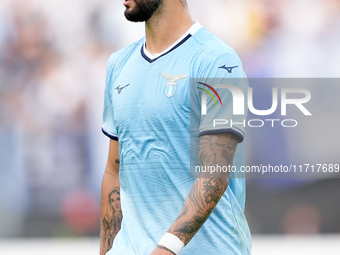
column 171, row 242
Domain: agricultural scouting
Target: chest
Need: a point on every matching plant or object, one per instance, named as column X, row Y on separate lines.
column 151, row 87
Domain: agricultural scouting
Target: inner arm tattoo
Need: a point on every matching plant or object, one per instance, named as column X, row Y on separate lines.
column 208, row 188
column 111, row 222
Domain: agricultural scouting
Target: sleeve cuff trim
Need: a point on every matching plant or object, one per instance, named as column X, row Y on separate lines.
column 110, row 135
column 233, row 130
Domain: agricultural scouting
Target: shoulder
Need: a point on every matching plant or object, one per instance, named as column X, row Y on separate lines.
column 215, row 58
column 211, row 44
column 212, row 48
column 117, row 61
column 121, row 56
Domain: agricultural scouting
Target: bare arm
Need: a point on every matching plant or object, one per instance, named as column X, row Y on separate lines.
column 208, row 188
column 111, row 214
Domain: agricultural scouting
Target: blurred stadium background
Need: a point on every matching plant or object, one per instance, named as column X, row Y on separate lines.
column 53, row 57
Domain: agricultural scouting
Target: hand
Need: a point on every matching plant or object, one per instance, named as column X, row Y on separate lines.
column 159, row 251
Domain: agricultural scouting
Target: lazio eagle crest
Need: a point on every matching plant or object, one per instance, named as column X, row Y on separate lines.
column 171, row 85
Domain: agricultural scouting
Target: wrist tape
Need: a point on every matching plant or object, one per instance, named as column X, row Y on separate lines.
column 172, row 243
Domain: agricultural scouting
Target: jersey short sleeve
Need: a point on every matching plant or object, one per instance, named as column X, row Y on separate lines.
column 108, row 126
column 221, row 70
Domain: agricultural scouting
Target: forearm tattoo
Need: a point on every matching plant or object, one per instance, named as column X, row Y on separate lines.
column 208, row 188
column 111, row 222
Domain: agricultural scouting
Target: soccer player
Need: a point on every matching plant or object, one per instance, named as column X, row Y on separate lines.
column 149, row 101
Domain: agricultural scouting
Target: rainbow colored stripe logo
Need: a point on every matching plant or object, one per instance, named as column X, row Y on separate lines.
column 209, row 93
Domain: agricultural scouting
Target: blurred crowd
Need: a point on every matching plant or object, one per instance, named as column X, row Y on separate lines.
column 53, row 57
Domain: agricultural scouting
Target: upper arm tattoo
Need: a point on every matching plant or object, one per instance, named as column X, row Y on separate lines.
column 217, row 149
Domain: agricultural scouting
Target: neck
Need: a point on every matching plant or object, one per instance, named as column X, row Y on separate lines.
column 166, row 26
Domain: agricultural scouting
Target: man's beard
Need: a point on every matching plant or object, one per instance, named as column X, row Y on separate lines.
column 143, row 10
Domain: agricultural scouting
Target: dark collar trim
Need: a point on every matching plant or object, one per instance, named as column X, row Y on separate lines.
column 175, row 47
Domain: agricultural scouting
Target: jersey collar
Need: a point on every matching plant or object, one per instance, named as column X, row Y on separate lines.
column 151, row 58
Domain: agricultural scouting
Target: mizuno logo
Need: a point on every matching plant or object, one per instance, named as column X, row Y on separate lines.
column 119, row 89
column 229, row 69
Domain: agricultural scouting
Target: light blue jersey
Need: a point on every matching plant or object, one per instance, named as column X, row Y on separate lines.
column 147, row 108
